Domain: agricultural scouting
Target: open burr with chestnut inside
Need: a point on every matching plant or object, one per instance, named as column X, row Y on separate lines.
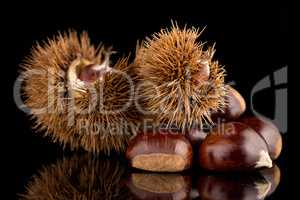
column 179, row 81
column 76, row 96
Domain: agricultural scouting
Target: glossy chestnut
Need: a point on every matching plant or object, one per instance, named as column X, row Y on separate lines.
column 269, row 132
column 233, row 146
column 160, row 151
column 234, row 108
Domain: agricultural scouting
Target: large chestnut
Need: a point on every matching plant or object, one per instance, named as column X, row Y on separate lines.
column 163, row 151
column 235, row 106
column 233, row 146
column 269, row 132
column 159, row 186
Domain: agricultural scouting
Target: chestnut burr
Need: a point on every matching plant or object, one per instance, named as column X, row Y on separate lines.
column 233, row 146
column 160, row 151
column 269, row 132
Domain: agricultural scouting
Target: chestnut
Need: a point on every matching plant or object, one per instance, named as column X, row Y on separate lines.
column 163, row 151
column 233, row 146
column 90, row 73
column 159, row 186
column 233, row 187
column 269, row 132
column 234, row 108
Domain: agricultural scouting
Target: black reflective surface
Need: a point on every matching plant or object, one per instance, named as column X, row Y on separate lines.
column 84, row 176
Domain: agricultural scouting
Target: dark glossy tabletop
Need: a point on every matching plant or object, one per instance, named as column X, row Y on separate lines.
column 80, row 175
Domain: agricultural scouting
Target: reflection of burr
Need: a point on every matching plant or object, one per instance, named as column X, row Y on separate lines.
column 159, row 186
column 180, row 84
column 79, row 177
column 76, row 97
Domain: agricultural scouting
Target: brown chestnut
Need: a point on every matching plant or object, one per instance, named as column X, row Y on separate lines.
column 163, row 151
column 234, row 108
column 233, row 187
column 269, row 132
column 159, row 186
column 233, row 146
column 91, row 73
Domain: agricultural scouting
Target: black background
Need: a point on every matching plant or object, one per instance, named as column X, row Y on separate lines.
column 251, row 41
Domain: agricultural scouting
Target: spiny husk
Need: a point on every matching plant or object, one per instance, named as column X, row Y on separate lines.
column 79, row 177
column 165, row 65
column 78, row 121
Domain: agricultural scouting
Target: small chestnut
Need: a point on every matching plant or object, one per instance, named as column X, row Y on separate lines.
column 159, row 186
column 233, row 146
column 162, row 151
column 234, row 108
column 269, row 132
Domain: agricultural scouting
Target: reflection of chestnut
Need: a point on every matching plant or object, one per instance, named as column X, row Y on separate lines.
column 233, row 187
column 272, row 175
column 162, row 151
column 269, row 132
column 159, row 186
column 235, row 107
column 233, row 146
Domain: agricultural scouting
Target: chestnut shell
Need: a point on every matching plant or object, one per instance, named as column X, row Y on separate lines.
column 160, row 151
column 233, row 146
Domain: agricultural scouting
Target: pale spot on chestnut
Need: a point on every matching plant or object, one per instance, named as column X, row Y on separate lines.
column 268, row 131
column 264, row 160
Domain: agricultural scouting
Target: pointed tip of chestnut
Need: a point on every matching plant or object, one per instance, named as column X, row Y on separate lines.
column 264, row 160
column 268, row 131
column 233, row 146
column 160, row 152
